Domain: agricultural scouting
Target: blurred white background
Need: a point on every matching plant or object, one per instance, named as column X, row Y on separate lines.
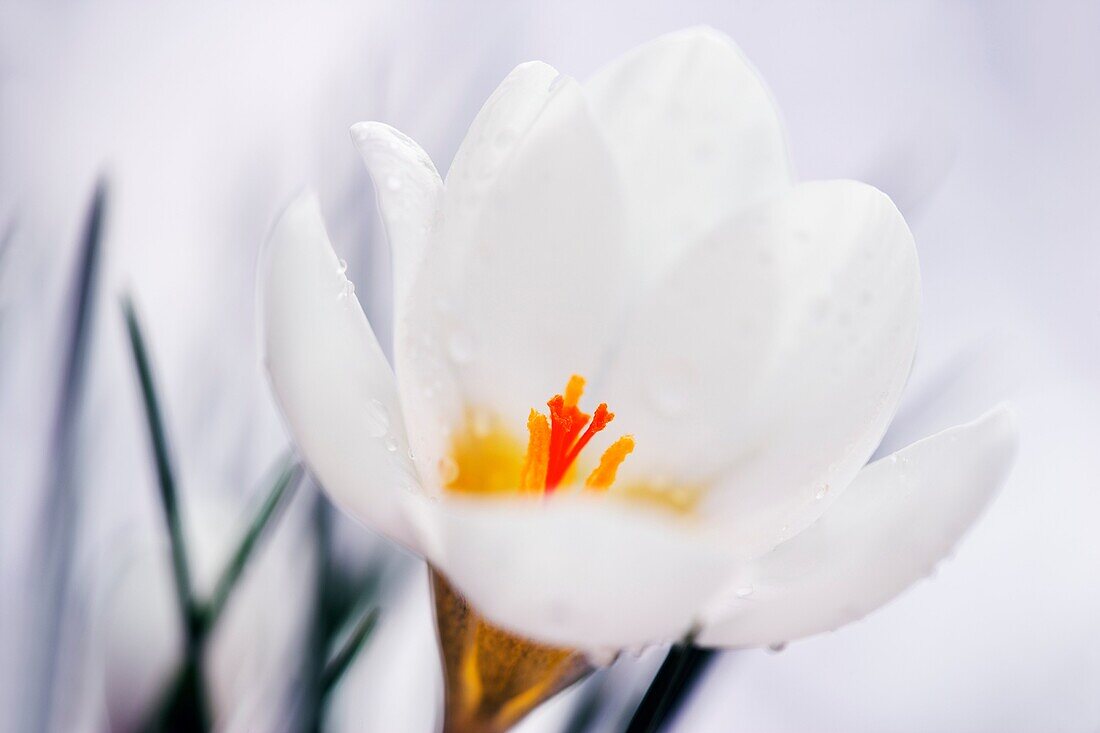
column 981, row 119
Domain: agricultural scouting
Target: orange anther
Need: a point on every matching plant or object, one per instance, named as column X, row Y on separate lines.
column 533, row 476
column 612, row 458
column 573, row 390
column 556, row 442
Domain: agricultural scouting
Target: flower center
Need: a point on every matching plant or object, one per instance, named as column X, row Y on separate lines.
column 488, row 460
column 555, row 443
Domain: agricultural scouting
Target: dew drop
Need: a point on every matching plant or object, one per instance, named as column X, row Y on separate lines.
column 348, row 290
column 777, row 647
column 745, row 591
column 391, row 444
column 342, row 267
column 822, row 492
column 461, row 347
column 378, row 419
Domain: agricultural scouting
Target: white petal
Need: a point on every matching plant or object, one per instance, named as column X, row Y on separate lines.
column 696, row 135
column 496, row 133
column 580, row 571
column 329, row 375
column 410, row 197
column 769, row 362
column 899, row 517
column 528, row 278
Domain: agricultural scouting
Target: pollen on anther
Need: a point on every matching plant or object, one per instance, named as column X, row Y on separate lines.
column 533, row 476
column 612, row 458
column 557, row 439
column 573, row 391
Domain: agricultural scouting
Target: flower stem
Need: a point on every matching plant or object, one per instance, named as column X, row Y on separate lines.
column 493, row 678
column 674, row 680
column 343, row 658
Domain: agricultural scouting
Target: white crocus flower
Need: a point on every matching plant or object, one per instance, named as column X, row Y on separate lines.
column 752, row 334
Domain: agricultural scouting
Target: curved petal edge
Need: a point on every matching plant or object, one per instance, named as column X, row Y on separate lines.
column 691, row 125
column 900, row 516
column 329, row 375
column 410, row 196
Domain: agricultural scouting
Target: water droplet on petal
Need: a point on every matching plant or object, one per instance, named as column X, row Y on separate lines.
column 348, row 290
column 342, row 267
column 822, row 492
column 777, row 647
column 378, row 419
column 745, row 591
column 391, row 444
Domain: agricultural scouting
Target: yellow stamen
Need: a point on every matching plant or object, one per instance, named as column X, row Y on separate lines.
column 604, row 475
column 573, row 391
column 533, row 475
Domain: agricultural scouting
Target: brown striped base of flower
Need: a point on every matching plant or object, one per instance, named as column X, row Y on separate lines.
column 493, row 678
